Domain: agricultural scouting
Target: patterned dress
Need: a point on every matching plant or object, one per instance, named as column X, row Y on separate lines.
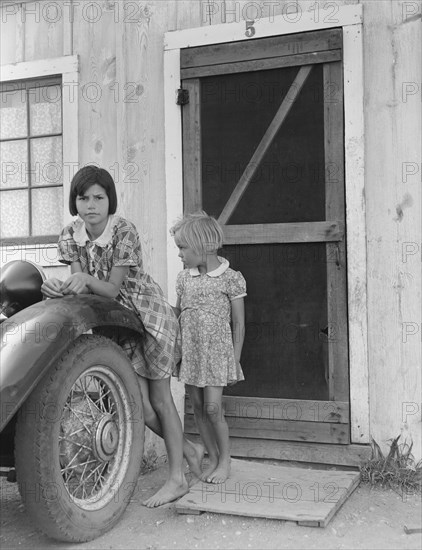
column 119, row 245
column 207, row 342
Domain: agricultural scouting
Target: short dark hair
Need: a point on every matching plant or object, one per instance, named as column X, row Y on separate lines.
column 87, row 176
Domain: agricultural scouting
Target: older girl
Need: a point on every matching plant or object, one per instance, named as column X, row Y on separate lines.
column 104, row 252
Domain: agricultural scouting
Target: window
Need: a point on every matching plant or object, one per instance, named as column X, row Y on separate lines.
column 31, row 144
column 38, row 156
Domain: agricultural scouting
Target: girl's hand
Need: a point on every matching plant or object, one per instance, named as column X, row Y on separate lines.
column 52, row 288
column 76, row 284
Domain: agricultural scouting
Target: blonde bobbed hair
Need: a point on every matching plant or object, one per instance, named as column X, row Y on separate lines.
column 200, row 232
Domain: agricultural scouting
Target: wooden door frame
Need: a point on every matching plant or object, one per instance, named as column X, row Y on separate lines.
column 350, row 19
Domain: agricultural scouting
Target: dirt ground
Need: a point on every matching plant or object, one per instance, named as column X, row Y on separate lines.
column 369, row 519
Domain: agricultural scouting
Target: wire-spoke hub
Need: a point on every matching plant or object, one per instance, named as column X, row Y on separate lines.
column 92, row 436
column 106, row 438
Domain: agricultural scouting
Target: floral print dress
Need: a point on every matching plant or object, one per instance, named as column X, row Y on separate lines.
column 119, row 245
column 207, row 341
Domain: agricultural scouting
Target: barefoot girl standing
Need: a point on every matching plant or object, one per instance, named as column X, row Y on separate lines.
column 210, row 299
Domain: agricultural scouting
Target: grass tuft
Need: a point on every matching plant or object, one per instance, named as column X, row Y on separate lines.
column 150, row 461
column 398, row 470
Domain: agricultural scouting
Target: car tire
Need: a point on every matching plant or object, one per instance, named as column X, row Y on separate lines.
column 79, row 442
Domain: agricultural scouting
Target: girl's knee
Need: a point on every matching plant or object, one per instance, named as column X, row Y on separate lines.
column 162, row 404
column 213, row 412
column 149, row 416
column 149, row 413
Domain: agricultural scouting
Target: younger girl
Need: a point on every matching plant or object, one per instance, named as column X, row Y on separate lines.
column 210, row 296
column 104, row 253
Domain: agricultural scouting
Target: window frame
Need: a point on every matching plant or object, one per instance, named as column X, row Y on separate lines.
column 39, row 249
column 25, row 85
column 350, row 19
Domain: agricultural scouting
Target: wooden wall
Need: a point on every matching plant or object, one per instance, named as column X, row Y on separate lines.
column 392, row 39
column 121, row 54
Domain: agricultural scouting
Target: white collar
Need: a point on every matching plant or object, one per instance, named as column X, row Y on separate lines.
column 81, row 237
column 224, row 265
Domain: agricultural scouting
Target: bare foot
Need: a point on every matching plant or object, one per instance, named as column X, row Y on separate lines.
column 169, row 491
column 194, row 453
column 212, row 465
column 220, row 474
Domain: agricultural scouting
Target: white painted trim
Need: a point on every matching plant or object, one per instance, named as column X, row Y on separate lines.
column 20, row 34
column 68, row 68
column 289, row 23
column 350, row 19
column 356, row 233
column 174, row 163
column 39, row 68
column 68, row 35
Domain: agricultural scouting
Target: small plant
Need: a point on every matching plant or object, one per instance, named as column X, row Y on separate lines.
column 398, row 470
column 149, row 461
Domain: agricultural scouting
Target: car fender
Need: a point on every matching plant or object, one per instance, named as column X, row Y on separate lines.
column 34, row 338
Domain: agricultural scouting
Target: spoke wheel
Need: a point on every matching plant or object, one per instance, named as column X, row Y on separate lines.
column 82, row 449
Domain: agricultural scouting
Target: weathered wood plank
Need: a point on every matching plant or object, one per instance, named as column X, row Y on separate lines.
column 188, row 14
column 268, row 26
column 264, row 144
column 355, row 151
column 142, row 149
column 343, row 497
column 173, row 168
column 182, row 510
column 301, row 232
column 181, row 15
column 317, row 453
column 310, row 496
column 337, row 334
column 286, row 430
column 393, row 224
column 98, row 99
column 71, row 132
column 40, row 68
column 240, row 506
column 282, row 409
column 309, row 483
column 68, row 30
column 20, row 36
column 43, row 26
column 236, row 10
column 192, row 159
column 262, row 64
column 12, row 37
column 286, row 45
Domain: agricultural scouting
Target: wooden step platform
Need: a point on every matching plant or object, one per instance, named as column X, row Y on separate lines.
column 307, row 496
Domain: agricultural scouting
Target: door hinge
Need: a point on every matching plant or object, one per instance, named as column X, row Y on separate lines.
column 182, row 97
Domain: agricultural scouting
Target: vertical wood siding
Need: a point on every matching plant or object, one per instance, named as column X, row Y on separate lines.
column 393, row 198
column 123, row 130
